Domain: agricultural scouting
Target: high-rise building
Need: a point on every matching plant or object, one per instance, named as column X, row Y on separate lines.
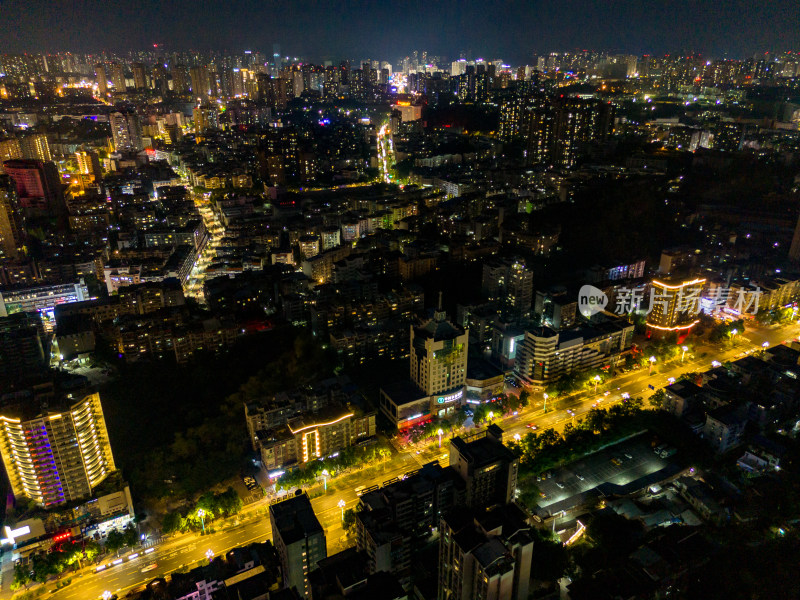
column 180, row 84
column 205, row 117
column 126, row 132
column 675, row 304
column 509, row 284
column 36, row 147
column 54, row 444
column 160, row 79
column 486, row 556
column 24, row 348
column 392, row 520
column 118, row 77
column 102, row 79
column 487, row 466
column 10, row 149
column 439, row 358
column 88, row 163
column 11, row 229
column 539, row 123
column 139, row 76
column 38, row 185
column 299, row 540
column 201, row 82
column 577, row 122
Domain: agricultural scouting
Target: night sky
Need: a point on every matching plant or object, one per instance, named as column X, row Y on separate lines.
column 378, row 29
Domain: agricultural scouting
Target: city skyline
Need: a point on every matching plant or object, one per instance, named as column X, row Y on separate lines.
column 323, row 31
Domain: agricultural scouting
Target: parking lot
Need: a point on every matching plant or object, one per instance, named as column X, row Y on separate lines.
column 619, row 465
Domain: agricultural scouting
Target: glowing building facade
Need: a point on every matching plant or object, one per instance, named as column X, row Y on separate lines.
column 54, row 452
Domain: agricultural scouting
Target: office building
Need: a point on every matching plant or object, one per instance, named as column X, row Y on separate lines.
column 126, row 132
column 102, row 79
column 675, row 305
column 12, row 240
column 139, row 76
column 38, row 186
column 439, row 358
column 486, row 556
column 36, row 147
column 488, row 468
column 545, row 354
column 438, row 369
column 299, row 540
column 54, row 444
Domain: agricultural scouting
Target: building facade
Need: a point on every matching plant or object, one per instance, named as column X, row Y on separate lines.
column 55, row 448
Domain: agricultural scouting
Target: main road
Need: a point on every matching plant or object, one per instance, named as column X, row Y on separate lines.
column 252, row 525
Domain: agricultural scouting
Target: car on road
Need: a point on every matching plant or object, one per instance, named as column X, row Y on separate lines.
column 628, row 456
column 607, row 393
column 360, row 489
column 532, row 426
column 149, row 567
column 560, row 485
column 579, row 476
column 616, row 461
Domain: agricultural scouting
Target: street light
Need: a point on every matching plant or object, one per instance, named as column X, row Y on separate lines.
column 596, row 381
column 201, row 513
column 652, row 361
column 440, row 432
column 545, row 402
column 341, row 504
column 325, row 478
column 491, row 415
column 684, row 348
column 517, row 437
column 107, row 595
column 209, row 555
column 765, row 345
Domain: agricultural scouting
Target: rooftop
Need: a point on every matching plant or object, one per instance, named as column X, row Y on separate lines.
column 294, row 519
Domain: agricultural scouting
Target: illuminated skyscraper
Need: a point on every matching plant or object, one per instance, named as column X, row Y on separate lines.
column 675, row 304
column 102, row 79
column 126, row 132
column 54, row 445
column 36, row 147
